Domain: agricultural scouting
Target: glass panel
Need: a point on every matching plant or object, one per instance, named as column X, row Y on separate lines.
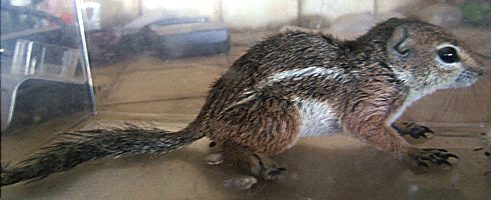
column 44, row 73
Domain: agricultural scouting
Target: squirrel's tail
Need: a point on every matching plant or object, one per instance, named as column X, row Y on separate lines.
column 83, row 146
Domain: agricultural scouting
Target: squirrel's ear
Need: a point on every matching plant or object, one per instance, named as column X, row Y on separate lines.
column 400, row 40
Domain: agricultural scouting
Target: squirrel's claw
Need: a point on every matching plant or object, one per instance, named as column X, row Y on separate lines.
column 437, row 157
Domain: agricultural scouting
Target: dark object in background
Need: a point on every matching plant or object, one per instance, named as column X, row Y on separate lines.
column 191, row 39
column 39, row 100
column 108, row 46
column 164, row 39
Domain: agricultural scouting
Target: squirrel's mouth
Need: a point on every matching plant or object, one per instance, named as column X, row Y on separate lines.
column 466, row 78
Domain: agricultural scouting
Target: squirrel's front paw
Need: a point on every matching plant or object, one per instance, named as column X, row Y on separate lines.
column 436, row 157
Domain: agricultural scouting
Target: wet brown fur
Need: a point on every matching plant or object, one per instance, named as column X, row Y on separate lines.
column 365, row 99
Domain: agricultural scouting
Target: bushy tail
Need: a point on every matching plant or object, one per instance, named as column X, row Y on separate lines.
column 83, row 146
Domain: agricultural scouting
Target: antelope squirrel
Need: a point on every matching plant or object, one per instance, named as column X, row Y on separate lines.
column 292, row 85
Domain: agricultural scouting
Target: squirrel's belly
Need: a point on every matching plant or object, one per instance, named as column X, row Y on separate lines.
column 318, row 118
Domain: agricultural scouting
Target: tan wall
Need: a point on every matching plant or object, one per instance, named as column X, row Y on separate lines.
column 260, row 13
column 240, row 14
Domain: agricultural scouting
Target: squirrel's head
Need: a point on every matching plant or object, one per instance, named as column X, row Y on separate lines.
column 426, row 57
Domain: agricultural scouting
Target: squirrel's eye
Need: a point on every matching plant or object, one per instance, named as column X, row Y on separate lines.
column 448, row 55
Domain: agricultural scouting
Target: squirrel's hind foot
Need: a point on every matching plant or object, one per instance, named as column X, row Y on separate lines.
column 262, row 165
